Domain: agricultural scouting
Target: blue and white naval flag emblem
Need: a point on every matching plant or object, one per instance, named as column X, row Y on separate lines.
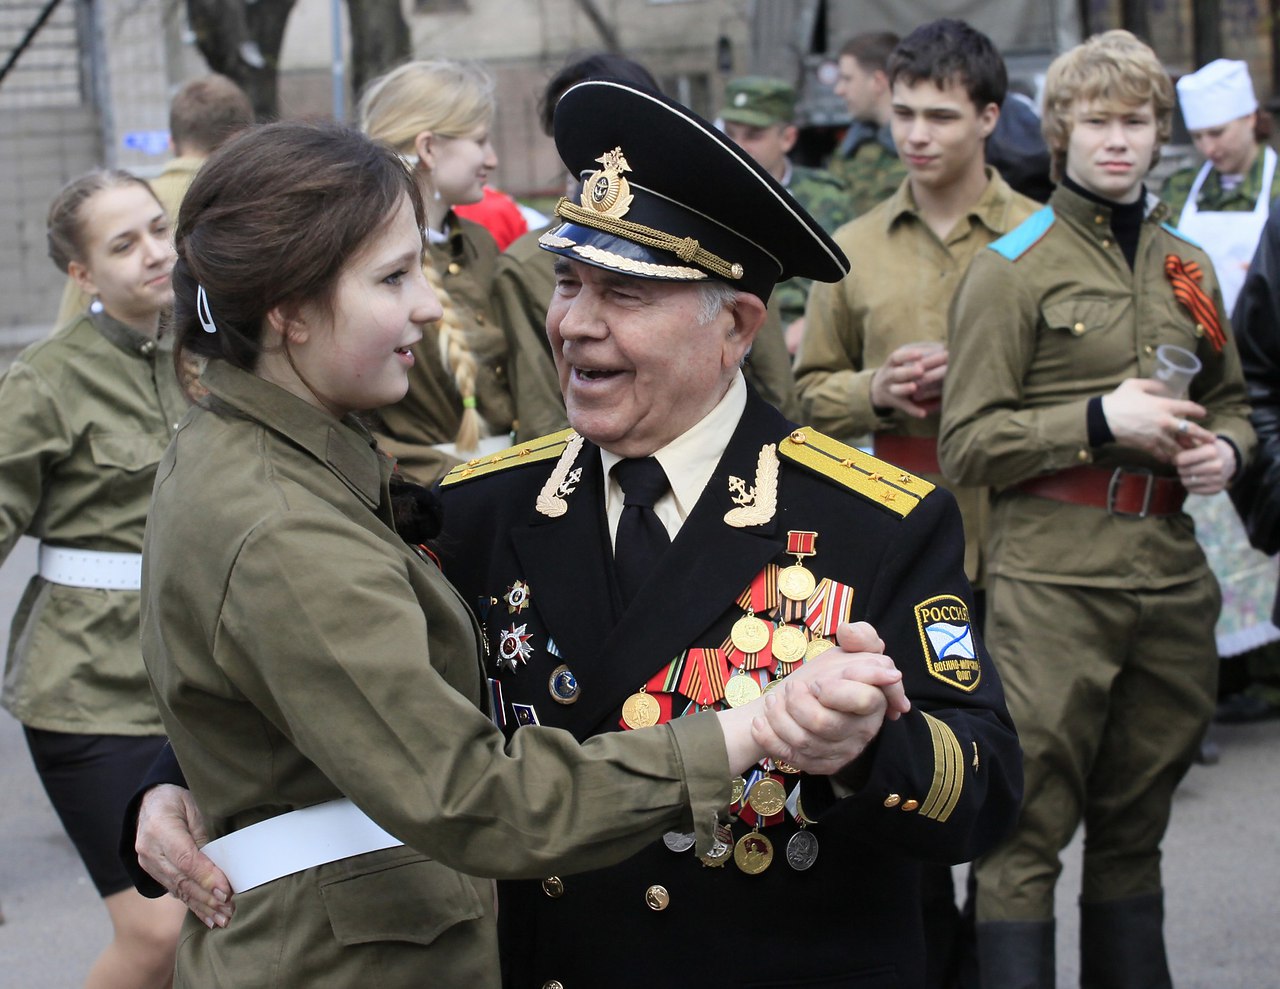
column 950, row 652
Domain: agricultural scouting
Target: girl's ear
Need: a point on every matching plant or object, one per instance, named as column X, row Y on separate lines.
column 80, row 275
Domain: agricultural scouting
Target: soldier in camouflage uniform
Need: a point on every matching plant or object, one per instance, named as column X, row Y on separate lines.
column 867, row 159
column 758, row 114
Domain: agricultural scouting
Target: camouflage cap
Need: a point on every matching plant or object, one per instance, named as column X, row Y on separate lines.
column 758, row 101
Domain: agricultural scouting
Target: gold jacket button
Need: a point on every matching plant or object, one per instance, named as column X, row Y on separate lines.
column 1149, row 350
column 148, row 347
column 1106, row 241
column 910, row 805
column 454, row 267
column 1082, row 456
column 1078, row 329
column 892, row 800
column 553, row 887
column 553, row 984
column 1199, row 329
column 657, row 898
column 1099, row 219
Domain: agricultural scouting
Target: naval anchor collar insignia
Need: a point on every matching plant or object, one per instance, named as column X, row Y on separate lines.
column 755, row 505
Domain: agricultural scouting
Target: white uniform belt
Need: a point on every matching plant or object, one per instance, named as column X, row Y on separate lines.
column 298, row 840
column 90, row 568
column 488, row 446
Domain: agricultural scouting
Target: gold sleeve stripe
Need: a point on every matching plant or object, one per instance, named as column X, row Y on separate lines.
column 543, row 448
column 850, row 467
column 948, row 772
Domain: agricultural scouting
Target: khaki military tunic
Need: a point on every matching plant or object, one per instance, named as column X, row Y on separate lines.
column 311, row 654
column 1052, row 319
column 429, row 415
column 898, row 292
column 87, row 414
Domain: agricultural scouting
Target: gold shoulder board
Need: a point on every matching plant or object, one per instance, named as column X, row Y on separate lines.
column 543, row 448
column 849, row 467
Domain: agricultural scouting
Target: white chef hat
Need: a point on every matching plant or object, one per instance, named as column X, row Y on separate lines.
column 1216, row 94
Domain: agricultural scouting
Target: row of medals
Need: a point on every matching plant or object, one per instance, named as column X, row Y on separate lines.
column 753, row 852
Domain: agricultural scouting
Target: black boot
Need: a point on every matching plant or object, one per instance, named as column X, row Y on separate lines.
column 1122, row 944
column 1016, row 954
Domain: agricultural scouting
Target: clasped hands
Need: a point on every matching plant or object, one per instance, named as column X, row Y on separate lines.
column 819, row 719
column 1141, row 414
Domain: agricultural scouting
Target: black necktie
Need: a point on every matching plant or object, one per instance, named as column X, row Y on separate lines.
column 641, row 538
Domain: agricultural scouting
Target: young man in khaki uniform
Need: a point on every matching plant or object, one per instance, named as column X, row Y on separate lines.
column 1100, row 604
column 872, row 359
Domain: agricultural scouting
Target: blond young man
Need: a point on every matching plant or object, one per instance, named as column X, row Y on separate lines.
column 1100, row 603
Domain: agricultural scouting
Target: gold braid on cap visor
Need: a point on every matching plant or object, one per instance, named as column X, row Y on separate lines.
column 687, row 249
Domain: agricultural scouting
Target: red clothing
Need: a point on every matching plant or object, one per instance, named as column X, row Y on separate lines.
column 498, row 213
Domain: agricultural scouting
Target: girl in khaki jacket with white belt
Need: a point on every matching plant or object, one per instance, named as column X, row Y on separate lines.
column 302, row 652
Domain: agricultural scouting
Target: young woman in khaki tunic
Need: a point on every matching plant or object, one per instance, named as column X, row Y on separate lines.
column 87, row 414
column 302, row 652
column 437, row 115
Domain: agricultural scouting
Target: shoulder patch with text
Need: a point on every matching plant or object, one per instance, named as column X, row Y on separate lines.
column 946, row 636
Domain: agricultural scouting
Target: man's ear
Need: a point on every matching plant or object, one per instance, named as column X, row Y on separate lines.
column 988, row 117
column 790, row 134
column 79, row 274
column 748, row 312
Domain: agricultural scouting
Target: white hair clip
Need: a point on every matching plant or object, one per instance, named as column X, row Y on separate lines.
column 410, row 160
column 203, row 312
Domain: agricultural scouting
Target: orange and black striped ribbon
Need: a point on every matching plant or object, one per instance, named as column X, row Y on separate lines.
column 1185, row 277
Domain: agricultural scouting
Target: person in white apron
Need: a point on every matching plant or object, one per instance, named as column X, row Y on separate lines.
column 1225, row 210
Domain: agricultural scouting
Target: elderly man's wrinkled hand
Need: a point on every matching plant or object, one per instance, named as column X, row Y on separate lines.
column 170, row 834
column 822, row 716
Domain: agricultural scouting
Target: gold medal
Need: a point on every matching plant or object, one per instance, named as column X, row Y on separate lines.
column 640, row 710
column 737, row 787
column 767, row 797
column 816, row 648
column 750, row 634
column 771, row 685
column 796, row 583
column 753, row 853
column 789, row 644
column 741, row 689
column 785, row 767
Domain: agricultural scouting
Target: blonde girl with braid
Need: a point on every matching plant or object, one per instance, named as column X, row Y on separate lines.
column 436, row 115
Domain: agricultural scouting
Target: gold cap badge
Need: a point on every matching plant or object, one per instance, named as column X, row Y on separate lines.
column 606, row 191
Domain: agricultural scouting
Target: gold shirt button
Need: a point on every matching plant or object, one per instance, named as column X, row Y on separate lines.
column 657, row 898
column 910, row 805
column 892, row 800
column 454, row 267
column 553, row 887
column 1078, row 329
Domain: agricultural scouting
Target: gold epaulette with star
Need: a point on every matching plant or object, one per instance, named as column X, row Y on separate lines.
column 543, row 448
column 851, row 468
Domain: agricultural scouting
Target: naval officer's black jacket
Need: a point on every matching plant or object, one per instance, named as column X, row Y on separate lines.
column 942, row 784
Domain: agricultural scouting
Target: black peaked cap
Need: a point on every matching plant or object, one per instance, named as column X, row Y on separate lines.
column 667, row 196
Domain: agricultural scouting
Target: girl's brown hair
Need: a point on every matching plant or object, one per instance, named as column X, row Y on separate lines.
column 269, row 222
